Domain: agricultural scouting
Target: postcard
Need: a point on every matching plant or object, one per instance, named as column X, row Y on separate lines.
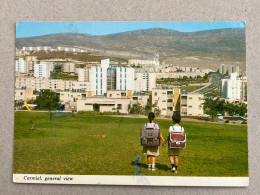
column 160, row 103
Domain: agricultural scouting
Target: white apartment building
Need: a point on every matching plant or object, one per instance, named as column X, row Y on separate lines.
column 231, row 88
column 141, row 82
column 125, row 78
column 105, row 63
column 21, row 65
column 143, row 62
column 144, row 81
column 176, row 75
column 167, row 100
column 41, row 70
column 191, row 104
column 69, row 67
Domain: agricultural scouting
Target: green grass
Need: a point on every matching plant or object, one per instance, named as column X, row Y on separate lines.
column 105, row 145
column 190, row 88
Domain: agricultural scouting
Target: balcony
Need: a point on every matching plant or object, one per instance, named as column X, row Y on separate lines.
column 170, row 96
column 184, row 102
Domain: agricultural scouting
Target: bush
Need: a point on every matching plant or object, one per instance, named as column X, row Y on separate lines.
column 227, row 121
column 244, row 122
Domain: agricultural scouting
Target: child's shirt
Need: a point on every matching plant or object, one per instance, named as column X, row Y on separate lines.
column 151, row 125
column 176, row 129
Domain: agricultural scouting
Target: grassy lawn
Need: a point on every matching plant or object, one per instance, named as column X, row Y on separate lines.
column 105, row 145
column 191, row 88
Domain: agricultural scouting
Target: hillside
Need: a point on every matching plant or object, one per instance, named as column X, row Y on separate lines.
column 181, row 48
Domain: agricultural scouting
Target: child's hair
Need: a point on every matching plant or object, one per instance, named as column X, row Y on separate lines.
column 176, row 117
column 151, row 116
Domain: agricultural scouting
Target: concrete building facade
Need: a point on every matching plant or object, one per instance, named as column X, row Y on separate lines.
column 20, row 65
column 231, row 88
column 191, row 104
column 41, row 70
column 167, row 100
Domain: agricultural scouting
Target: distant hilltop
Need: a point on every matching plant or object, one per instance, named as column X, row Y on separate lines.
column 211, row 47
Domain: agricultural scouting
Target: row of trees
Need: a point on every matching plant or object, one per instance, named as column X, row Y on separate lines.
column 139, row 109
column 218, row 106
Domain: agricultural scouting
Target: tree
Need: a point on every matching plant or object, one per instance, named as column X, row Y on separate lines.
column 137, row 109
column 214, row 106
column 47, row 100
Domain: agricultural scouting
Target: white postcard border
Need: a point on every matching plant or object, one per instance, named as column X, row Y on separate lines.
column 132, row 180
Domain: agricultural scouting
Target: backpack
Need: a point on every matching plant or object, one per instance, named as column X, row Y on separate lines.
column 150, row 136
column 177, row 139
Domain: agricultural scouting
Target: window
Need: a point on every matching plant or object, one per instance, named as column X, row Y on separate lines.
column 119, row 106
column 164, row 101
column 190, row 106
column 155, row 93
column 110, row 95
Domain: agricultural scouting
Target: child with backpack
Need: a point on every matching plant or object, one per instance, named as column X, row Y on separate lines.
column 151, row 151
column 173, row 153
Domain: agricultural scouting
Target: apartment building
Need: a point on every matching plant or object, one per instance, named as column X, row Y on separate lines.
column 231, row 88
column 191, row 104
column 144, row 81
column 41, row 70
column 124, row 78
column 21, row 66
column 167, row 100
column 24, row 94
column 119, row 94
column 69, row 67
column 143, row 62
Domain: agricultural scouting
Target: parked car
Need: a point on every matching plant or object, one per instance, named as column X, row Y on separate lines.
column 220, row 116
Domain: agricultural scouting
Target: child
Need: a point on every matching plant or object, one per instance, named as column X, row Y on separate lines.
column 174, row 152
column 151, row 151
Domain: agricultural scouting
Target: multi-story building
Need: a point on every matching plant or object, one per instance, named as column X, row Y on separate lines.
column 111, row 78
column 141, row 98
column 231, row 88
column 24, row 94
column 167, row 100
column 69, row 67
column 143, row 62
column 73, row 95
column 144, row 81
column 103, row 104
column 124, row 78
column 119, row 94
column 191, row 104
column 41, row 70
column 20, row 65
column 244, row 89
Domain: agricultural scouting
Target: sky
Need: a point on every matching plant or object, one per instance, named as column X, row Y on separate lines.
column 30, row 29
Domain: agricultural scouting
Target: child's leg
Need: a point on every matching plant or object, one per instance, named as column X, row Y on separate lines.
column 153, row 163
column 176, row 160
column 172, row 162
column 153, row 159
column 149, row 162
column 171, row 159
column 148, row 159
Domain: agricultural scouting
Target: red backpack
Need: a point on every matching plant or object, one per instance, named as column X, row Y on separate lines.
column 177, row 139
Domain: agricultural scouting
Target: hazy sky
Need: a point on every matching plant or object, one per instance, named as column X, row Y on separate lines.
column 29, row 29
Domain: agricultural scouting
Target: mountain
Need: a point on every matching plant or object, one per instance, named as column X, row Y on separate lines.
column 189, row 48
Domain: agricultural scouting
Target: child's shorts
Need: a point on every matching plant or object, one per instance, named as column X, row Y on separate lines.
column 173, row 151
